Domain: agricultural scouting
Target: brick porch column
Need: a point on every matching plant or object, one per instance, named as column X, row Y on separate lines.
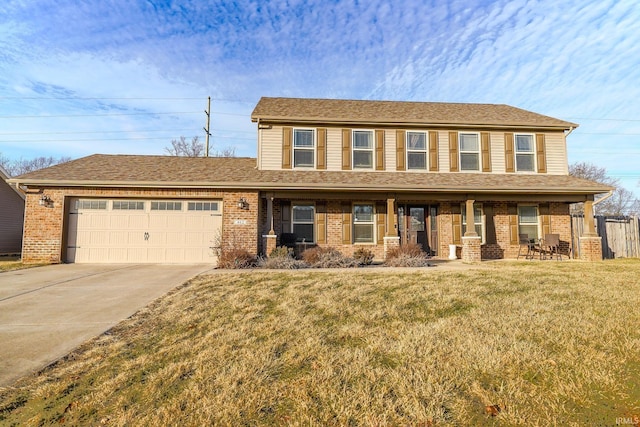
column 471, row 241
column 590, row 243
column 391, row 238
column 270, row 239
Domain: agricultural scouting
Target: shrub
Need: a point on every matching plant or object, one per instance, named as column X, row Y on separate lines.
column 235, row 258
column 410, row 255
column 281, row 257
column 363, row 255
column 328, row 257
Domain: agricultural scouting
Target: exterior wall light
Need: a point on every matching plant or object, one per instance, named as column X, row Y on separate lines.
column 45, row 201
column 243, row 204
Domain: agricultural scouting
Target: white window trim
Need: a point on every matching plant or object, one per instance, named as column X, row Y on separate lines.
column 372, row 149
column 313, row 220
column 478, row 152
column 539, row 218
column 533, row 151
column 372, row 222
column 312, row 148
column 482, row 223
column 425, row 150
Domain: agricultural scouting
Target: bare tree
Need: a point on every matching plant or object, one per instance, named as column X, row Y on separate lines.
column 621, row 202
column 186, row 149
column 195, row 148
column 22, row 166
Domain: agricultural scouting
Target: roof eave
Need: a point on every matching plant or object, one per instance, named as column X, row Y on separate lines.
column 307, row 186
column 439, row 124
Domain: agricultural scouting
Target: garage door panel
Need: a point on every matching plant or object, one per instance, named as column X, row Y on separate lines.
column 118, row 236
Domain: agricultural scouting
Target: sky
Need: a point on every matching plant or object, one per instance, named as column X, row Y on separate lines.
column 79, row 77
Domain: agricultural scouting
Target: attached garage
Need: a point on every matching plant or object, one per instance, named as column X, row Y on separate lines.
column 143, row 231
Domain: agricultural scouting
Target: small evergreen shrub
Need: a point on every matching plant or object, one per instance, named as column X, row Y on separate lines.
column 364, row 256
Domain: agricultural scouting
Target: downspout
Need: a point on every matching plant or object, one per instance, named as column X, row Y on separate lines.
column 571, row 129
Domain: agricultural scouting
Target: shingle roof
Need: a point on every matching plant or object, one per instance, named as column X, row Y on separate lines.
column 167, row 171
column 396, row 112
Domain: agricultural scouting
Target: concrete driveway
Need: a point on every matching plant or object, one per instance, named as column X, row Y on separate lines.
column 46, row 312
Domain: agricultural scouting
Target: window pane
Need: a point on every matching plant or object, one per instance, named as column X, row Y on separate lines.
column 524, row 143
column 417, row 160
column 303, row 158
column 468, row 142
column 416, row 141
column 303, row 138
column 363, row 233
column 362, row 139
column 469, row 162
column 303, row 232
column 528, row 215
column 530, row 230
column 362, row 159
column 363, row 213
column 303, row 213
column 524, row 162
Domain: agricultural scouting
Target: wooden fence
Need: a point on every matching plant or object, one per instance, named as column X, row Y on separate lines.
column 620, row 235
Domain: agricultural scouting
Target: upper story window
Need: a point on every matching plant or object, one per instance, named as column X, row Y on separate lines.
column 525, row 153
column 416, row 150
column 362, row 149
column 469, row 152
column 303, row 148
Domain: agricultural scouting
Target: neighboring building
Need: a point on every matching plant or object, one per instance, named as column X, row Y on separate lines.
column 11, row 216
column 338, row 173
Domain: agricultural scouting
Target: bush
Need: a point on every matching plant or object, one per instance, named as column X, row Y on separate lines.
column 363, row 255
column 235, row 258
column 410, row 255
column 328, row 257
column 281, row 257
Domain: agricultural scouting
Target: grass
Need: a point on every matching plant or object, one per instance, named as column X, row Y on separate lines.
column 14, row 263
column 536, row 343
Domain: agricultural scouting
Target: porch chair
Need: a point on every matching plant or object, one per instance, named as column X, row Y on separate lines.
column 551, row 246
column 525, row 244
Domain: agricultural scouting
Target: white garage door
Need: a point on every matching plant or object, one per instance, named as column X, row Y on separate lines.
column 143, row 231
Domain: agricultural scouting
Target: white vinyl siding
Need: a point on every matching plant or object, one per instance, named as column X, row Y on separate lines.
column 497, row 152
column 390, row 151
column 443, row 150
column 334, row 149
column 556, row 153
column 271, row 148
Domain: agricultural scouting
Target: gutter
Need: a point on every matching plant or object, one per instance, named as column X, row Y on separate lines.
column 603, row 198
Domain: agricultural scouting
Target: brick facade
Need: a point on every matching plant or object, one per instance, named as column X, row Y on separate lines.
column 591, row 248
column 471, row 249
column 44, row 226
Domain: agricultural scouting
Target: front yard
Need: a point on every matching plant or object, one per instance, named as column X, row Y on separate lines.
column 507, row 343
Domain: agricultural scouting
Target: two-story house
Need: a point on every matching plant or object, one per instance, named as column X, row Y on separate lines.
column 339, row 173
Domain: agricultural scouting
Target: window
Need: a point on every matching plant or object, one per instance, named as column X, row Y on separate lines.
column 525, row 155
column 302, row 223
column 469, row 152
column 528, row 221
column 477, row 220
column 202, row 206
column 303, row 148
column 416, row 150
column 363, row 223
column 128, row 205
column 166, row 206
column 362, row 149
column 91, row 204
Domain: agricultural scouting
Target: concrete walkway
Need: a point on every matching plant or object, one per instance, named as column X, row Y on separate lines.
column 46, row 312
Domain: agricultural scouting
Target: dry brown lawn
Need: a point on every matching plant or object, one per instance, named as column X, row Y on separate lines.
column 509, row 343
column 13, row 263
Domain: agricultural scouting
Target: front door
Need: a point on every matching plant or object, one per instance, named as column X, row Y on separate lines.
column 417, row 224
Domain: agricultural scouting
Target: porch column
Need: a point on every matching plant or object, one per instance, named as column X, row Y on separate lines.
column 270, row 238
column 589, row 223
column 590, row 243
column 270, row 214
column 471, row 242
column 391, row 238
